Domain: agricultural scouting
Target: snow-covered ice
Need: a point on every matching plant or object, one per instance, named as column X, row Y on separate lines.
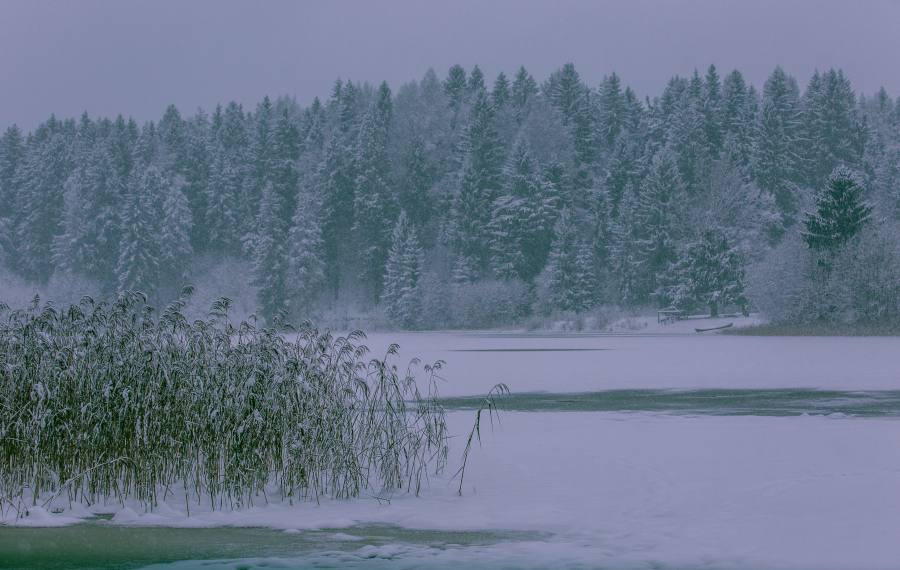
column 594, row 362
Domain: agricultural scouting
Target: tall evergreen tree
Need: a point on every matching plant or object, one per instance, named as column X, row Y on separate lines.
column 712, row 111
column 40, row 181
column 479, row 186
column 476, row 85
column 402, row 274
column 12, row 150
column 739, row 111
column 261, row 149
column 372, row 200
column 612, row 111
column 522, row 218
column 777, row 164
column 141, row 250
column 270, row 259
column 688, row 135
column 284, row 175
column 524, row 89
column 175, row 236
column 647, row 230
column 570, row 268
column 197, row 177
column 91, row 227
column 455, row 88
column 306, row 265
column 834, row 134
column 500, row 92
column 840, row 213
column 710, row 273
column 416, row 181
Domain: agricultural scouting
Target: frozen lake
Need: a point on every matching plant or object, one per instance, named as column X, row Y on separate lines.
column 639, row 451
column 595, row 362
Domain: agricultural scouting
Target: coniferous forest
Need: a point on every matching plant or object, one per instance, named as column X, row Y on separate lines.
column 467, row 201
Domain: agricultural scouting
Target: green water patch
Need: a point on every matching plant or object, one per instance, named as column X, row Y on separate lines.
column 717, row 402
column 527, row 349
column 96, row 545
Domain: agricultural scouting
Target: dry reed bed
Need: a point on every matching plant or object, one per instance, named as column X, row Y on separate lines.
column 109, row 402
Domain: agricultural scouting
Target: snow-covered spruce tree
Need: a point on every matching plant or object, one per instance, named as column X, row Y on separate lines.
column 306, row 266
column 88, row 243
column 611, row 111
column 455, row 90
column 175, row 237
column 476, row 85
column 226, row 180
column 709, row 273
column 479, row 186
column 882, row 155
column 415, row 182
column 522, row 218
column 572, row 98
column 196, row 176
column 403, row 271
column 372, row 198
column 687, row 135
column 270, row 258
column 336, row 180
column 586, row 284
column 140, row 248
column 500, row 91
column 777, row 163
column 12, row 150
column 646, row 233
column 260, row 148
column 739, row 111
column 712, row 111
column 509, row 221
column 833, row 133
column 40, row 181
column 570, row 268
column 283, row 171
column 840, row 213
column 524, row 89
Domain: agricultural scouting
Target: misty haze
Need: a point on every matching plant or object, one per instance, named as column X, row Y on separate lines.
column 412, row 284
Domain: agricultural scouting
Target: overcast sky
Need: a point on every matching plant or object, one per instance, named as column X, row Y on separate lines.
column 115, row 56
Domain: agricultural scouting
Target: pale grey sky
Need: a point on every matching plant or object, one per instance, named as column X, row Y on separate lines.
column 135, row 57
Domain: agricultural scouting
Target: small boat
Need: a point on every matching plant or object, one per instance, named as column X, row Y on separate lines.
column 729, row 325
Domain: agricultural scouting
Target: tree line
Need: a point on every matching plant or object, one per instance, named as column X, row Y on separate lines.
column 461, row 196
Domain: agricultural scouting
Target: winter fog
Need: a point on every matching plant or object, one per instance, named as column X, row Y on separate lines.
column 417, row 284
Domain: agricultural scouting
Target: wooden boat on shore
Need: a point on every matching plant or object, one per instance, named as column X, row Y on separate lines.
column 729, row 325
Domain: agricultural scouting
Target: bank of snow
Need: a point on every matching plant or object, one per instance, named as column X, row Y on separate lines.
column 614, row 489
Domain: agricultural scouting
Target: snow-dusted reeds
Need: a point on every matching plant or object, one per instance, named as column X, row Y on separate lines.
column 110, row 403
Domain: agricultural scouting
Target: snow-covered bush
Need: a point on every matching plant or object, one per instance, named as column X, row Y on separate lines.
column 436, row 302
column 489, row 303
column 864, row 283
column 780, row 285
column 860, row 284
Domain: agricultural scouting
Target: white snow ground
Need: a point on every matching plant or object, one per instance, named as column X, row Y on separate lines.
column 640, row 489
